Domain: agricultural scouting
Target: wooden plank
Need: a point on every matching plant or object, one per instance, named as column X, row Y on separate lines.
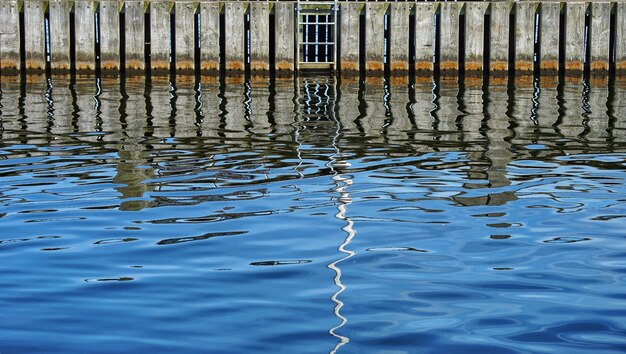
column 350, row 37
column 110, row 36
column 399, row 37
column 600, row 37
column 474, row 37
column 234, row 13
column 499, row 39
column 134, row 32
column 160, row 33
column 550, row 20
column 259, row 37
column 374, row 36
column 424, row 37
column 84, row 20
column 9, row 36
column 575, row 37
column 210, row 37
column 525, row 36
column 620, row 40
column 35, row 39
column 185, row 51
column 449, row 37
column 59, row 35
column 285, row 31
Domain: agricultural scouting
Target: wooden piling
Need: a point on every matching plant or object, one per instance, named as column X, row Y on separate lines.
column 134, row 33
column 9, row 36
column 600, row 37
column 525, row 13
column 349, row 37
column 549, row 38
column 35, row 39
column 284, row 26
column 449, row 37
column 620, row 39
column 374, row 37
column 399, row 37
column 59, row 11
column 424, row 38
column 499, row 39
column 184, row 16
column 84, row 20
column 474, row 38
column 235, row 36
column 110, row 36
column 575, row 37
column 259, row 37
column 160, row 32
column 210, row 37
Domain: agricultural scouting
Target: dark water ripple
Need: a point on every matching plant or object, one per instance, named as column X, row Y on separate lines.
column 311, row 216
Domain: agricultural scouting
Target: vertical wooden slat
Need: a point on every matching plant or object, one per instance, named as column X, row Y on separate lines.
column 350, row 37
column 59, row 35
column 575, row 37
column 234, row 13
column 449, row 37
column 185, row 17
column 284, row 46
column 600, row 36
column 160, row 33
column 9, row 36
column 620, row 40
column 474, row 37
column 209, row 36
column 374, row 36
column 424, row 37
column 550, row 20
column 35, row 35
column 499, row 40
column 84, row 12
column 110, row 36
column 259, row 37
column 399, row 33
column 525, row 36
column 134, row 32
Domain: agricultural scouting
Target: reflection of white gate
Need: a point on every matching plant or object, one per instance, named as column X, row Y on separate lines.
column 317, row 34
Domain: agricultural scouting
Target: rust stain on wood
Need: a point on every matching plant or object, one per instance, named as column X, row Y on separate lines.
column 349, row 65
column 399, row 65
column 209, row 65
column 109, row 65
column 449, row 65
column 160, row 65
column 599, row 65
column 424, row 66
column 284, row 65
column 499, row 65
column 549, row 65
column 134, row 65
column 573, row 66
column 184, row 65
column 523, row 66
column 374, row 66
column 259, row 66
column 235, row 65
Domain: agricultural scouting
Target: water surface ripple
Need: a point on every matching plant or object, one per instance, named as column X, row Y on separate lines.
column 312, row 216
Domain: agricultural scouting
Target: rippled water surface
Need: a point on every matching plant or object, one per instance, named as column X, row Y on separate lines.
column 310, row 216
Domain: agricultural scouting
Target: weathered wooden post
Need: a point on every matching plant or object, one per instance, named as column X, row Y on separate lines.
column 184, row 17
column 285, row 33
column 84, row 19
column 259, row 37
column 424, row 37
column 600, row 37
column 35, row 39
column 575, row 37
column 160, row 33
column 620, row 40
column 549, row 38
column 474, row 37
column 59, row 11
column 449, row 37
column 134, row 34
column 499, row 39
column 525, row 13
column 235, row 13
column 9, row 36
column 110, row 36
column 210, row 37
column 375, row 37
column 399, row 37
column 350, row 37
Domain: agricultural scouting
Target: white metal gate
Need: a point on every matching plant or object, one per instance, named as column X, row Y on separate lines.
column 317, row 35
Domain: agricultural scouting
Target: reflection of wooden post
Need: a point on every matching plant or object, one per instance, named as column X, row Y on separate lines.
column 84, row 13
column 34, row 35
column 374, row 36
column 60, row 35
column 499, row 41
column 474, row 37
column 550, row 21
column 160, row 36
column 134, row 35
column 235, row 13
column 424, row 38
column 9, row 36
column 210, row 37
column 525, row 36
column 399, row 33
column 109, row 36
column 600, row 32
column 449, row 37
column 284, row 46
column 259, row 37
column 350, row 37
column 575, row 37
column 185, row 16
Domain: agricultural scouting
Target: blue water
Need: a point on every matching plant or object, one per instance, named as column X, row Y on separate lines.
column 311, row 216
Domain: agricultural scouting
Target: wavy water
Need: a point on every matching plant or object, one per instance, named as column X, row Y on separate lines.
column 312, row 216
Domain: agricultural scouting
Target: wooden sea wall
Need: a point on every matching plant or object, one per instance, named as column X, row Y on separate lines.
column 259, row 37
